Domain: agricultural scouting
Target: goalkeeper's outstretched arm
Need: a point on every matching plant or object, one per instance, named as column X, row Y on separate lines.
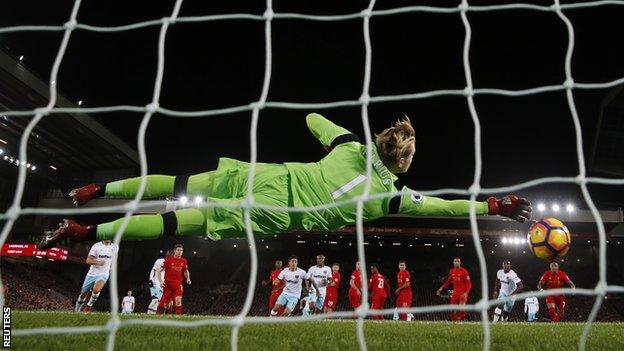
column 510, row 206
column 324, row 130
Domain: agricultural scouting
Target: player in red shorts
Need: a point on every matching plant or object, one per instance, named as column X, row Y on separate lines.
column 331, row 296
column 276, row 290
column 404, row 289
column 378, row 284
column 555, row 279
column 355, row 287
column 460, row 279
column 175, row 268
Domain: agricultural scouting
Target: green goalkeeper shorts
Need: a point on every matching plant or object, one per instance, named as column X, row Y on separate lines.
column 228, row 186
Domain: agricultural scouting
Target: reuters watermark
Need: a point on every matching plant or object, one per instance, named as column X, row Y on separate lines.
column 6, row 327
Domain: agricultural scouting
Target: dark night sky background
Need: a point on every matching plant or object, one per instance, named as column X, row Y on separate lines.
column 221, row 64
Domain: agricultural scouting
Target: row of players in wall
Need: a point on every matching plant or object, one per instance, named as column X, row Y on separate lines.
column 322, row 283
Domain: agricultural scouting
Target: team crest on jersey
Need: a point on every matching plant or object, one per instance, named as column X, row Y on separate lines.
column 416, row 197
column 296, row 276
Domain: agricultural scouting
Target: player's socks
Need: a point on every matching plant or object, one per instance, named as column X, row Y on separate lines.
column 497, row 314
column 139, row 227
column 79, row 303
column 561, row 309
column 179, row 310
column 153, row 306
column 160, row 309
column 461, row 315
column 306, row 311
column 553, row 314
column 157, row 186
column 161, row 186
column 188, row 221
column 93, row 298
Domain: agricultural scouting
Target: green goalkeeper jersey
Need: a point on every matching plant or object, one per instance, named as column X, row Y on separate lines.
column 341, row 176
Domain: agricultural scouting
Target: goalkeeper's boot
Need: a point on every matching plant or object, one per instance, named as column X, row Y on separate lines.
column 69, row 229
column 87, row 309
column 80, row 196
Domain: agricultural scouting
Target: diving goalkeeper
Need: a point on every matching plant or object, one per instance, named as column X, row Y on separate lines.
column 340, row 175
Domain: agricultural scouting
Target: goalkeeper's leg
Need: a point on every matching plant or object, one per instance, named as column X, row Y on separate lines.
column 158, row 186
column 215, row 222
column 188, row 221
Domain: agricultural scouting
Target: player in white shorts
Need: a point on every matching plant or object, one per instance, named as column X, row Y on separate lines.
column 531, row 307
column 292, row 278
column 99, row 258
column 156, row 291
column 321, row 275
column 127, row 304
column 506, row 285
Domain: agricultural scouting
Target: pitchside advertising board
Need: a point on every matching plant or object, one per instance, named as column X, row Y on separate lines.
column 31, row 250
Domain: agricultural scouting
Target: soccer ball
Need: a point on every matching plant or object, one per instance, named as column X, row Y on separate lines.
column 549, row 239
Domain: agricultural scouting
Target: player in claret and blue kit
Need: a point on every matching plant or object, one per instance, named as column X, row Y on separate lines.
column 292, row 278
column 99, row 258
column 507, row 284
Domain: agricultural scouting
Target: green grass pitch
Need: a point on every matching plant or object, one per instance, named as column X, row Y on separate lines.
column 318, row 335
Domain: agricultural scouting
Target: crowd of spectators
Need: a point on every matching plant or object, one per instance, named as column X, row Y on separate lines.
column 29, row 288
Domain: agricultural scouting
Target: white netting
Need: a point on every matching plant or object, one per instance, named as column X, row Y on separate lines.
column 475, row 189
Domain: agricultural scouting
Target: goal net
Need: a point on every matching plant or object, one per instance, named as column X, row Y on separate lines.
column 462, row 10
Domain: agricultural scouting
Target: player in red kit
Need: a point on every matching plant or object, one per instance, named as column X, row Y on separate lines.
column 175, row 268
column 404, row 289
column 380, row 288
column 355, row 287
column 555, row 279
column 331, row 296
column 276, row 290
column 460, row 279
